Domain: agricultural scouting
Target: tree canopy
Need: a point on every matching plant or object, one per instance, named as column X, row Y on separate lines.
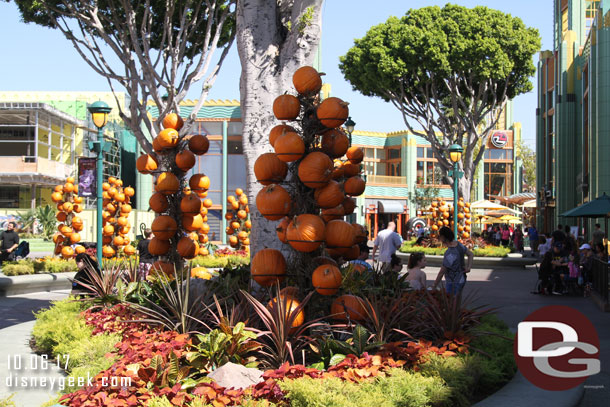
column 448, row 70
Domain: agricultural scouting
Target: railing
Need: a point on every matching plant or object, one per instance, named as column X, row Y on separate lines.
column 385, row 179
column 601, row 269
column 34, row 165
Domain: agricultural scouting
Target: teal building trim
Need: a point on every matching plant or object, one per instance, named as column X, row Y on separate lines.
column 223, row 220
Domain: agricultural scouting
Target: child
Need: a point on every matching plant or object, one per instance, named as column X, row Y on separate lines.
column 416, row 277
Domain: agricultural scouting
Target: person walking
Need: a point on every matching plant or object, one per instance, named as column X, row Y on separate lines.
column 598, row 236
column 505, row 235
column 9, row 241
column 387, row 242
column 518, row 240
column 532, row 234
column 453, row 268
column 146, row 259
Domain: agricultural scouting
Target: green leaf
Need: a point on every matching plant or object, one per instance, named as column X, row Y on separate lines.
column 336, row 359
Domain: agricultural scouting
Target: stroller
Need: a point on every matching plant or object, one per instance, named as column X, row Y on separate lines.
column 22, row 251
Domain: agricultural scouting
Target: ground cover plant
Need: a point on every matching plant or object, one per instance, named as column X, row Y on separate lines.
column 38, row 266
column 486, row 251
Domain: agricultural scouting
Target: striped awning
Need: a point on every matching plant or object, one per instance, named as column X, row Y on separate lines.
column 390, row 206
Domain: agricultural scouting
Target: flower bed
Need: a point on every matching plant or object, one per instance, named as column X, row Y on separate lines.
column 42, row 265
column 487, row 251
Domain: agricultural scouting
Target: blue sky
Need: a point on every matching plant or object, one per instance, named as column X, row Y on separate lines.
column 37, row 58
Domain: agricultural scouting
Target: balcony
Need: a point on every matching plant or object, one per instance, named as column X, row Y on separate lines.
column 33, row 170
column 386, row 180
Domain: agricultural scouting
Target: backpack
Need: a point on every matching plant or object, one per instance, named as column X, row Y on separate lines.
column 23, row 249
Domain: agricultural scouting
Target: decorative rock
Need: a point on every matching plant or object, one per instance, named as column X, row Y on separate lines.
column 232, row 375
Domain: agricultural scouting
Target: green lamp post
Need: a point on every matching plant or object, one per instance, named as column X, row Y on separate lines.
column 99, row 114
column 349, row 126
column 455, row 154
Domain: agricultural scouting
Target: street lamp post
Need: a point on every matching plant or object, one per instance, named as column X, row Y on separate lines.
column 349, row 126
column 99, row 113
column 455, row 154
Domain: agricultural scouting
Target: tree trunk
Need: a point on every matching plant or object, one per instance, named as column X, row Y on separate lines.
column 270, row 50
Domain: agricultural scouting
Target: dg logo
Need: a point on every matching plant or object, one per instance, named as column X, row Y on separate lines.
column 557, row 348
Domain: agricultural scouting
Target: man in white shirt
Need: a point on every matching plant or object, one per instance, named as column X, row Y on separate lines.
column 387, row 241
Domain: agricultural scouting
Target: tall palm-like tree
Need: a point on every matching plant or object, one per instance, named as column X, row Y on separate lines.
column 46, row 218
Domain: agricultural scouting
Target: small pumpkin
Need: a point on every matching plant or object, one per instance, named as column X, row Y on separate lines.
column 289, row 147
column 269, row 169
column 273, row 202
column 349, row 205
column 355, row 155
column 199, row 144
column 199, row 182
column 192, row 222
column 108, row 251
column 267, row 267
column 173, row 121
column 201, row 272
column 335, row 143
column 315, row 170
column 306, row 232
column 167, row 183
column 145, row 164
column 281, row 229
column 307, row 80
column 333, row 213
column 351, row 170
column 158, row 202
column 168, row 138
column 164, row 227
column 185, row 160
column 326, row 279
column 129, row 250
column 289, row 305
column 278, row 131
column 187, row 248
column 330, row 195
column 348, row 306
column 190, row 204
column 354, row 186
column 332, row 112
column 286, row 107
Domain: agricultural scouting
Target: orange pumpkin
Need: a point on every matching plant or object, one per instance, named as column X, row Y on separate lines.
column 158, row 202
column 190, row 204
column 122, row 221
column 307, row 80
column 192, row 223
column 351, row 170
column 129, row 250
column 79, row 249
column 207, row 203
column 352, row 253
column 360, row 234
column 348, row 306
column 185, row 160
column 74, row 238
column 57, row 197
column 333, row 213
column 315, row 170
column 158, row 247
column 199, row 144
column 339, row 234
column 286, row 107
column 326, row 279
column 187, row 248
column 306, row 232
column 146, row 163
column 330, row 195
column 355, row 155
column 108, row 251
column 77, row 222
column 279, row 130
column 354, row 186
column 349, row 205
column 168, row 138
column 199, row 182
column 163, row 267
column 281, row 229
column 156, row 145
column 241, row 214
column 269, row 169
column 125, row 209
column 173, row 121
column 61, row 216
column 289, row 147
column 167, row 183
column 273, row 202
column 289, row 305
column 267, row 267
column 164, row 227
column 332, row 112
column 118, row 241
column 335, row 143
column 108, row 230
column 129, row 191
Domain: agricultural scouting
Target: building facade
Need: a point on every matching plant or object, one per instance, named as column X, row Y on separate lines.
column 573, row 114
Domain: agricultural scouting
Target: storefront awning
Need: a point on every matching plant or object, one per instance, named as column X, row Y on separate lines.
column 390, row 206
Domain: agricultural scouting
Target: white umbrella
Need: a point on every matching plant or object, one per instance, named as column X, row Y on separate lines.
column 485, row 204
column 529, row 204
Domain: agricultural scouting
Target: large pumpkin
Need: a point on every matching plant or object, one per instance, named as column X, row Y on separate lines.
column 146, row 163
column 278, row 131
column 348, row 306
column 199, row 182
column 289, row 147
column 190, row 204
column 307, row 80
column 333, row 213
column 269, row 169
column 158, row 247
column 268, row 266
column 355, row 155
column 282, row 228
column 354, row 186
column 351, row 170
column 187, row 248
column 330, row 195
column 167, row 183
column 199, row 144
column 306, row 233
column 339, row 234
column 352, row 253
column 273, row 202
column 185, row 160
column 349, row 204
column 164, row 227
column 168, row 138
column 315, row 170
column 332, row 112
column 326, row 279
column 335, row 143
column 360, row 234
column 192, row 222
column 286, row 107
column 289, row 304
column 173, row 121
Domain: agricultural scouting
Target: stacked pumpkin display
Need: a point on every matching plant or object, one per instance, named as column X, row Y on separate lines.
column 237, row 216
column 115, row 223
column 308, row 188
column 69, row 204
column 441, row 214
column 180, row 202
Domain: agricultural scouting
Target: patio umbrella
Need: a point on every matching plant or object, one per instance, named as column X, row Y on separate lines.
column 530, row 204
column 597, row 208
column 508, row 218
column 515, row 221
column 485, row 204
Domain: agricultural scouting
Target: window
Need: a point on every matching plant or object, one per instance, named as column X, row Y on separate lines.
column 369, row 167
column 498, row 154
column 214, row 128
column 394, row 169
column 381, row 154
column 234, row 147
column 369, row 153
column 498, row 179
column 429, row 153
column 210, row 164
column 420, row 152
column 9, row 196
column 235, row 128
column 393, row 153
column 420, row 172
column 23, row 141
column 236, row 172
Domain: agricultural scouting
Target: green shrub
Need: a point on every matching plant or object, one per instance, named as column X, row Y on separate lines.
column 56, row 265
column 159, row 402
column 489, row 251
column 210, row 262
column 17, row 269
column 59, row 323
column 87, row 353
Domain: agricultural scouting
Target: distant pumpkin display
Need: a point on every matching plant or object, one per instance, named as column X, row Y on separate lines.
column 239, row 229
column 440, row 214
